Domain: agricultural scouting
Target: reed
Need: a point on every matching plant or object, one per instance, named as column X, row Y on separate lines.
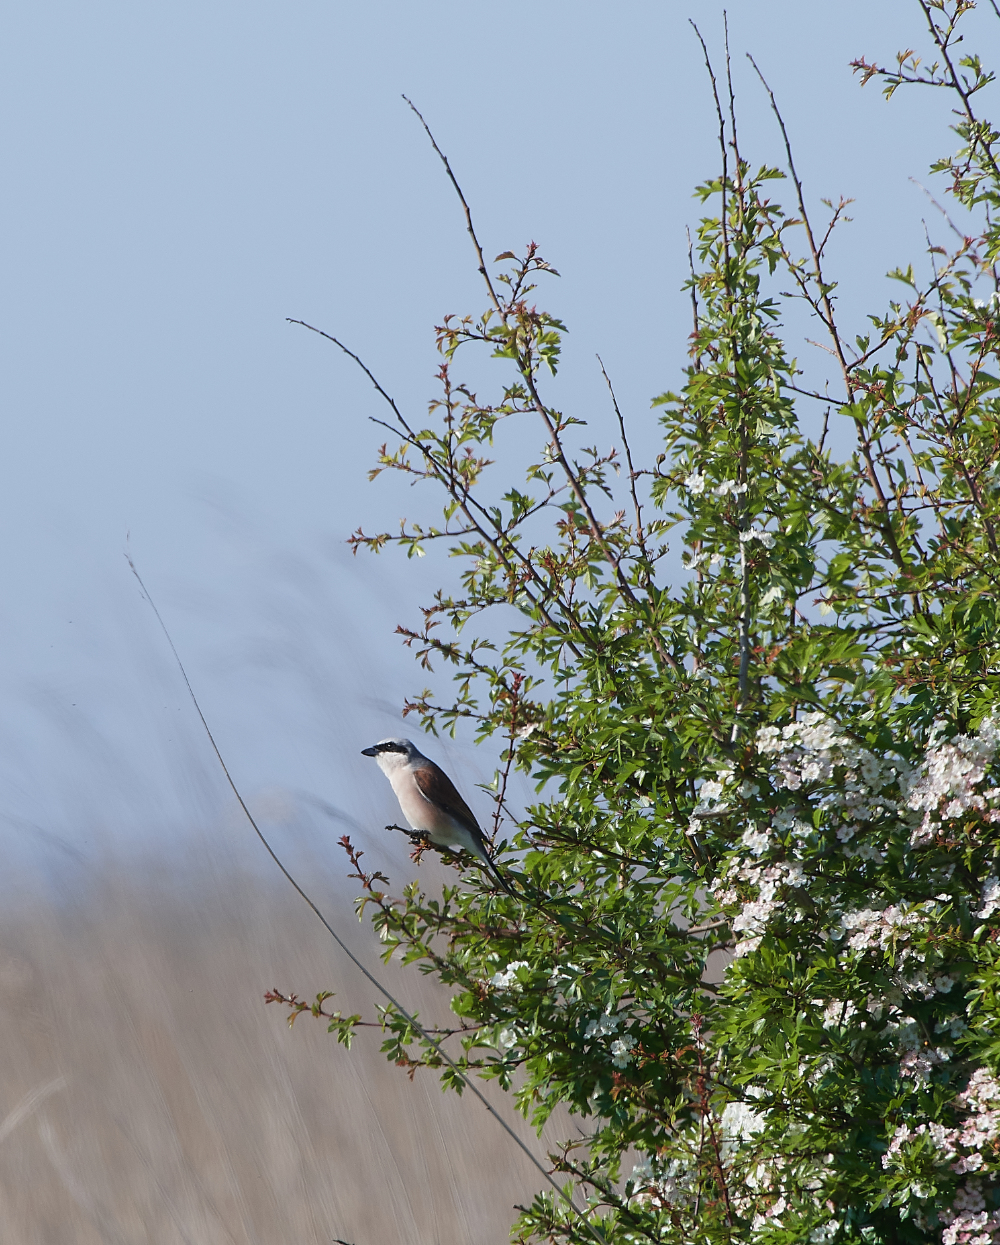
column 147, row 1093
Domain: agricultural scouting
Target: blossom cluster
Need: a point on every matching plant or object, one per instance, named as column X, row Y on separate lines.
column 696, row 483
column 886, row 925
column 878, row 927
column 770, row 881
column 663, row 1186
column 508, row 979
column 621, row 1048
column 990, row 897
column 980, row 1102
column 805, row 751
column 967, row 1220
column 864, row 800
column 944, row 785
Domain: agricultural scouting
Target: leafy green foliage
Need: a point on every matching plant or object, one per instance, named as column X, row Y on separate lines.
column 754, row 939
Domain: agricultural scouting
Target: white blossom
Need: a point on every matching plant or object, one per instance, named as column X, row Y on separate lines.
column 919, row 1064
column 991, row 897
column 507, row 980
column 864, row 851
column 807, row 749
column 837, row 1013
column 954, row 1026
column 967, row 1220
column 756, row 841
column 943, row 786
column 740, row 1121
column 753, row 916
column 899, row 1138
column 874, row 927
column 602, row 1026
column 663, row 1185
column 621, row 1048
column 757, row 533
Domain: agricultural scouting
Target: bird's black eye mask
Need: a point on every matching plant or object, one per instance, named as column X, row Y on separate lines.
column 375, row 749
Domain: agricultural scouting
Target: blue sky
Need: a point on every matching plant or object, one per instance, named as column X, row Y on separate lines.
column 180, row 179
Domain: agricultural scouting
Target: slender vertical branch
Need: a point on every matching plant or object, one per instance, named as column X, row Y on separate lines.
column 695, row 327
column 722, row 147
column 579, row 493
column 632, row 474
column 829, row 319
column 732, row 103
column 501, row 795
column 484, row 271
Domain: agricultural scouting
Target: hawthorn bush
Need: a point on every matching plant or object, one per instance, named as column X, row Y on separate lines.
column 787, row 754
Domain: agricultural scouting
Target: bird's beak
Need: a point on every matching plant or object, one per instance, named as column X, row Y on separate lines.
column 369, row 752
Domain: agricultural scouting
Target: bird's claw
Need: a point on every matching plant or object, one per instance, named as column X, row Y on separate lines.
column 419, row 842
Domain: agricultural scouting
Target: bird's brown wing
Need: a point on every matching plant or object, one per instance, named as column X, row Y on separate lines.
column 435, row 784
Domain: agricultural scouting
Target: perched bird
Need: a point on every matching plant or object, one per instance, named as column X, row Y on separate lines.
column 430, row 802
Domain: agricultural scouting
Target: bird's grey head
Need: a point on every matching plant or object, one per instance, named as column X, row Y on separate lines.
column 391, row 753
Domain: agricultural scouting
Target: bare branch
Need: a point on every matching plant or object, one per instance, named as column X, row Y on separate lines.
column 465, row 206
column 628, row 458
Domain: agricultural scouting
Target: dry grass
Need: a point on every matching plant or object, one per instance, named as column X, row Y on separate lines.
column 148, row 1095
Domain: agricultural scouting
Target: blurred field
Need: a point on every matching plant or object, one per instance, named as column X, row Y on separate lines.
column 148, row 1095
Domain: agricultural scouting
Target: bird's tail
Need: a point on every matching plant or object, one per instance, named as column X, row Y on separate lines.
column 494, row 869
column 483, row 856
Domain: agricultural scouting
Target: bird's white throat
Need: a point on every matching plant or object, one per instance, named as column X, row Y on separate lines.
column 391, row 763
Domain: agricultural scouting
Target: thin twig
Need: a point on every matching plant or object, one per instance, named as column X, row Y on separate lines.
column 465, row 206
column 732, row 96
column 515, row 694
column 628, row 458
column 826, row 428
column 694, row 294
column 357, row 359
column 943, row 210
column 722, row 145
column 942, row 40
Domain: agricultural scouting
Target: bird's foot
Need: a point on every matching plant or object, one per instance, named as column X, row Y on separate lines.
column 419, row 842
